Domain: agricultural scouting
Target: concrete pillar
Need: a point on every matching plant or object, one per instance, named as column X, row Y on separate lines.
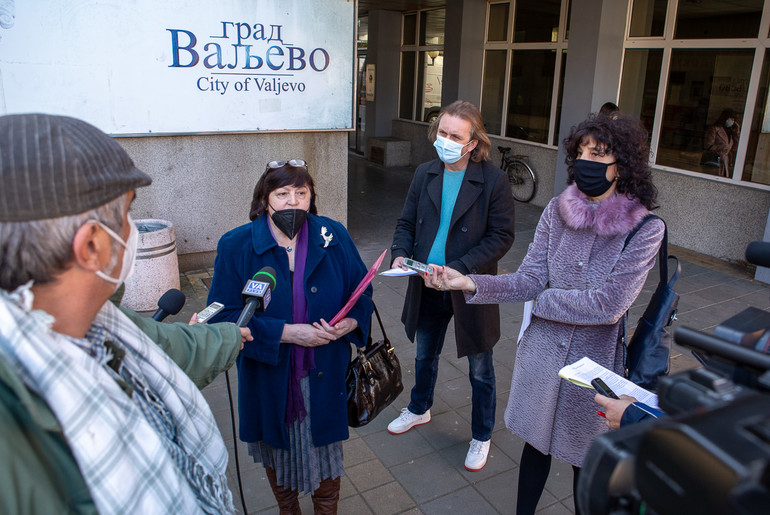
column 594, row 64
column 763, row 274
column 463, row 50
column 384, row 52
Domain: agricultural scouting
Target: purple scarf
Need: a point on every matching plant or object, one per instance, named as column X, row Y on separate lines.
column 301, row 359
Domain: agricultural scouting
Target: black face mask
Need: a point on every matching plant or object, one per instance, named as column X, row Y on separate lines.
column 591, row 177
column 289, row 221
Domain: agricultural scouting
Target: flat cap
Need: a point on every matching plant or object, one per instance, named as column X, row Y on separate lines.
column 52, row 166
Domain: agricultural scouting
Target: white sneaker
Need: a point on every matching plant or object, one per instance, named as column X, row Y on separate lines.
column 477, row 455
column 406, row 421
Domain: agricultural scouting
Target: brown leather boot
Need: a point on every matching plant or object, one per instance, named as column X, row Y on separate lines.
column 326, row 497
column 288, row 502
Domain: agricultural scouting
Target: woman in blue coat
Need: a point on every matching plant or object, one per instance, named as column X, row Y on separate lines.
column 291, row 377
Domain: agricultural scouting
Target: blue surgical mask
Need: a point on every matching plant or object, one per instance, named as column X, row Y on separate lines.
column 449, row 151
column 729, row 122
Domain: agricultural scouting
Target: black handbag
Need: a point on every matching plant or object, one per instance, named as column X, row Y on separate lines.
column 709, row 158
column 373, row 379
column 649, row 348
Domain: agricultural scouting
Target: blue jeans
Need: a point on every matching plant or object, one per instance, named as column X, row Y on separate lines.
column 435, row 315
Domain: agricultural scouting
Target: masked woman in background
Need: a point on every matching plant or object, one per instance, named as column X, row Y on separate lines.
column 583, row 281
column 722, row 138
column 291, row 378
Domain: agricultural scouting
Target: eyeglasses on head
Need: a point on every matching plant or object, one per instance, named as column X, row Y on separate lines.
column 296, row 163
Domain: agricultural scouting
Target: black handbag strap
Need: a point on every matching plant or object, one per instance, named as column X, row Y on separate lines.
column 663, row 256
column 379, row 320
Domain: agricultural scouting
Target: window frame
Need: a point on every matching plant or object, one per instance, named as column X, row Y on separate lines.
column 416, row 48
column 559, row 47
column 668, row 44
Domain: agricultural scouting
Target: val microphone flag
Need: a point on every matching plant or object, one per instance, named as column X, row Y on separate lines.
column 359, row 289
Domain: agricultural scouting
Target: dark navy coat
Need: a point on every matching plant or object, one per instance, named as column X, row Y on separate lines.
column 331, row 275
column 481, row 232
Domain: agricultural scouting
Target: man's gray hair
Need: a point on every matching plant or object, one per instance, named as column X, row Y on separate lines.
column 39, row 250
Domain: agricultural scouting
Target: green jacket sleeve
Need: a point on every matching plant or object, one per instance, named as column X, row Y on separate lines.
column 202, row 351
column 38, row 472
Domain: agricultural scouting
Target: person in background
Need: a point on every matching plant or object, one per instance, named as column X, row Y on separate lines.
column 610, row 109
column 94, row 416
column 722, row 137
column 583, row 281
column 292, row 396
column 459, row 212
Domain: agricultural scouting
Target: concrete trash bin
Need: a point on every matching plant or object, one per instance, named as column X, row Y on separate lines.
column 156, row 269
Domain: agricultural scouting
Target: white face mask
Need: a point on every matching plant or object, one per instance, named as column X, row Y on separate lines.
column 449, row 151
column 129, row 255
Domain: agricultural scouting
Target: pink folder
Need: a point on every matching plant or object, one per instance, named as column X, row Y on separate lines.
column 359, row 289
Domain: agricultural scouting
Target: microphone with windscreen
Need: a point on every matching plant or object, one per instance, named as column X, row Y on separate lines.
column 758, row 253
column 170, row 303
column 257, row 294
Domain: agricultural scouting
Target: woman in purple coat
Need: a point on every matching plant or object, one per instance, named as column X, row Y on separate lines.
column 583, row 281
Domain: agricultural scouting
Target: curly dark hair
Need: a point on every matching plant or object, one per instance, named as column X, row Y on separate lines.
column 274, row 178
column 626, row 139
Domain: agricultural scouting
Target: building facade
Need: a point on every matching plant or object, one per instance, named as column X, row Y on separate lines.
column 538, row 67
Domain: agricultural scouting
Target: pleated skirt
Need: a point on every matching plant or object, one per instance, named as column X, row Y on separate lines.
column 303, row 466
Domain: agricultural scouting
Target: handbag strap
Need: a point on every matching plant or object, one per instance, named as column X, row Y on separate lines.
column 379, row 320
column 663, row 256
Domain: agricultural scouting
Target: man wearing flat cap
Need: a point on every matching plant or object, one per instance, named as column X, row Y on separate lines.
column 94, row 416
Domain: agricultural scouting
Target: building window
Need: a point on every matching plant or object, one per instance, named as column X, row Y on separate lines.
column 422, row 65
column 493, row 89
column 717, row 19
column 498, row 22
column 701, row 85
column 690, row 73
column 648, row 18
column 536, row 21
column 531, row 92
column 524, row 55
column 640, row 97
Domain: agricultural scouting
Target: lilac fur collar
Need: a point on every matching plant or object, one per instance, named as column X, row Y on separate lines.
column 617, row 214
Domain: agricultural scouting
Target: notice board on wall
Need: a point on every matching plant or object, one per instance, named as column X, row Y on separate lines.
column 145, row 67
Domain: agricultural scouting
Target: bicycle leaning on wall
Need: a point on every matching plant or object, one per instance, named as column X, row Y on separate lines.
column 520, row 174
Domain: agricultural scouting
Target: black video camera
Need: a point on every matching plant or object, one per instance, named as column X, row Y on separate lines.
column 711, row 454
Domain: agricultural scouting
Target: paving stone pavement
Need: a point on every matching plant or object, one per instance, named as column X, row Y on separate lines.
column 422, row 470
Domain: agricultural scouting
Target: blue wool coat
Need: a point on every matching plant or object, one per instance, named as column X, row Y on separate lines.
column 583, row 282
column 331, row 275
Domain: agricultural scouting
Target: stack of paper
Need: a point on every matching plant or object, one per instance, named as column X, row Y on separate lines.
column 584, row 371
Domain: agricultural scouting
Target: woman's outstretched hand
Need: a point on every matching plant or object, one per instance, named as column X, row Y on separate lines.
column 446, row 278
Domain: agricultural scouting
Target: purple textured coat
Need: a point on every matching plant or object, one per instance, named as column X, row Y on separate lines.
column 583, row 282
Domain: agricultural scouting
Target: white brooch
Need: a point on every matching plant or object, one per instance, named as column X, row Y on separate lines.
column 327, row 238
